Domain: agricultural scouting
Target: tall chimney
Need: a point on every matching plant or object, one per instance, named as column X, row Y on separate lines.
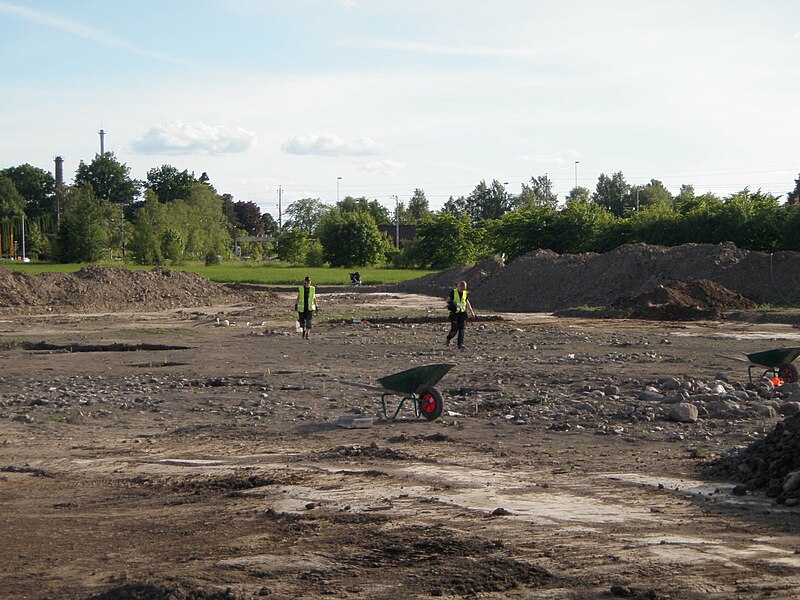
column 59, row 172
column 102, row 142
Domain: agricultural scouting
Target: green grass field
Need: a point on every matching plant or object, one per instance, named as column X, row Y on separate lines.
column 244, row 272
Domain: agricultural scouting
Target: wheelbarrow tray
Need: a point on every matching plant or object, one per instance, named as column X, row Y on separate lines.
column 774, row 358
column 411, row 381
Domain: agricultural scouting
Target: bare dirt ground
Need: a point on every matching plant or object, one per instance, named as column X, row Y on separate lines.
column 164, row 455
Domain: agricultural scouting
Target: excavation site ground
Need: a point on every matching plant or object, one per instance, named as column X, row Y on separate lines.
column 196, row 453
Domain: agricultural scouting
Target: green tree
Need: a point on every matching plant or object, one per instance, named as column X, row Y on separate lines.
column 521, row 231
column 794, row 196
column 578, row 194
column 488, row 202
column 293, row 245
column 11, row 211
column 109, row 179
column 380, row 213
column 248, row 217
column 38, row 244
column 269, row 224
column 751, row 220
column 538, row 193
column 456, row 207
column 700, row 215
column 172, row 245
column 201, row 222
column 36, row 186
column 580, row 226
column 656, row 224
column 612, row 192
column 145, row 240
column 445, row 241
column 169, row 183
column 402, row 214
column 651, row 194
column 315, row 257
column 305, row 214
column 87, row 226
column 12, row 204
column 686, row 194
column 790, row 234
column 418, row 207
column 351, row 239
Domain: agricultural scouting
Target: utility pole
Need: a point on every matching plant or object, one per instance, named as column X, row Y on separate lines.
column 23, row 237
column 280, row 221
column 396, row 222
column 576, row 172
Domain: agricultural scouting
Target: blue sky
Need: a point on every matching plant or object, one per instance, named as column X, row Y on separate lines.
column 396, row 95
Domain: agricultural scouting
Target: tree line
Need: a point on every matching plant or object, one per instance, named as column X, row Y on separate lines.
column 173, row 216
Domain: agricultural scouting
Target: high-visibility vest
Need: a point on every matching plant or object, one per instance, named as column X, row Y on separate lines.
column 301, row 298
column 460, row 301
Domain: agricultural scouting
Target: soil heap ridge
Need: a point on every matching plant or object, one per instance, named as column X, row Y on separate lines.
column 545, row 281
column 676, row 301
column 95, row 288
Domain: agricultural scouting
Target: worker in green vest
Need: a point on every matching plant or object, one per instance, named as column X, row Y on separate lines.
column 306, row 306
column 459, row 306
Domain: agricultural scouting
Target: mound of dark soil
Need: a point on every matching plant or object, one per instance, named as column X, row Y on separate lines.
column 679, row 301
column 543, row 281
column 765, row 463
column 96, row 288
column 172, row 591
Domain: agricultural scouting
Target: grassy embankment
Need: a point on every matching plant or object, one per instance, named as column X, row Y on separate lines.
column 244, row 272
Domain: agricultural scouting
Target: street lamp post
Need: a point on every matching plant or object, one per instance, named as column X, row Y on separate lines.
column 280, row 221
column 576, row 173
column 396, row 222
column 338, row 179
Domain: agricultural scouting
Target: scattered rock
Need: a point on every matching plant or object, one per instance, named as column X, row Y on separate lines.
column 500, row 512
column 683, row 412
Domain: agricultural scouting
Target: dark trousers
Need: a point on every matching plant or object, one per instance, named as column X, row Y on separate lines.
column 458, row 321
column 305, row 318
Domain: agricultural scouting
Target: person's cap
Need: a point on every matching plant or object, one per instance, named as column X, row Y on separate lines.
column 307, row 278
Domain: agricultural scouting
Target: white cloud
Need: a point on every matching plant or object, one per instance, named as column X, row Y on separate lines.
column 383, row 167
column 331, row 145
column 178, row 137
column 797, row 35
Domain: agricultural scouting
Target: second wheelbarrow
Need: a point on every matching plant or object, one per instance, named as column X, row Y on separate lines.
column 777, row 361
column 416, row 385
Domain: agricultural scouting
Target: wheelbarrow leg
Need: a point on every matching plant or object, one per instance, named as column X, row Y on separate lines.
column 386, row 408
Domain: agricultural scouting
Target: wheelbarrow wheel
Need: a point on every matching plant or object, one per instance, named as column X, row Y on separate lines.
column 430, row 403
column 788, row 373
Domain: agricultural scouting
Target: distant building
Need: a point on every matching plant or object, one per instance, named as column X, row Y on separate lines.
column 407, row 232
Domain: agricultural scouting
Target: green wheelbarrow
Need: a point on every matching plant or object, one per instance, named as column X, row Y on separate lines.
column 415, row 385
column 777, row 361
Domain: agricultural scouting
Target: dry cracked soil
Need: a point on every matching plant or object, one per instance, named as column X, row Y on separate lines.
column 166, row 455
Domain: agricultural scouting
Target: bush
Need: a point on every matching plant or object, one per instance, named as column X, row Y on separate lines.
column 315, row 255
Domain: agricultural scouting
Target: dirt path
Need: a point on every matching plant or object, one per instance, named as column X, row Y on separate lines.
column 218, row 470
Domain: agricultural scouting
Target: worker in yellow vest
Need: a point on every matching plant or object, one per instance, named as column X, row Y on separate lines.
column 460, row 307
column 306, row 305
